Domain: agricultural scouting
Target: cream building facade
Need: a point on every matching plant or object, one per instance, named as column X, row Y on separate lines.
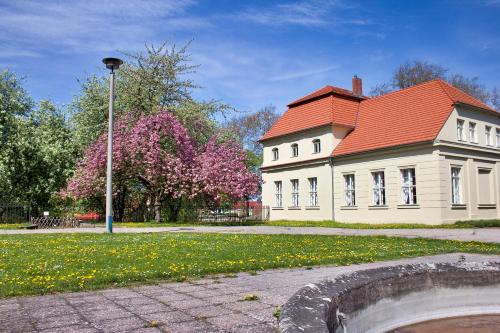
column 442, row 168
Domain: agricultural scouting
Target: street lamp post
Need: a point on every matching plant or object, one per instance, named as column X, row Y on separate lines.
column 111, row 64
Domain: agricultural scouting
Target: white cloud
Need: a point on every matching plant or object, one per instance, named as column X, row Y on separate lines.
column 308, row 13
column 91, row 25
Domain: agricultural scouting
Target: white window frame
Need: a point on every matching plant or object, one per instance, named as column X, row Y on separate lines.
column 350, row 189
column 487, row 134
column 316, row 146
column 378, row 190
column 278, row 192
column 408, row 186
column 456, row 185
column 276, row 154
column 295, row 150
column 460, row 130
column 498, row 137
column 313, row 192
column 472, row 132
column 295, row 192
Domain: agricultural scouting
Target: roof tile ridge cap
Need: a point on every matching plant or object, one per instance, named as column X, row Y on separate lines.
column 449, row 85
column 400, row 90
column 441, row 83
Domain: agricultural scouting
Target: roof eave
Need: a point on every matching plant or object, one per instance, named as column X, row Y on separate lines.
column 477, row 108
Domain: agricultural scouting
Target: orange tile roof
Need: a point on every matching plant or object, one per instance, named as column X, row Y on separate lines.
column 326, row 90
column 407, row 116
column 328, row 105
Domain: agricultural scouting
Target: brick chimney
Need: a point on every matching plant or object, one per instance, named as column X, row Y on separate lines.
column 357, row 86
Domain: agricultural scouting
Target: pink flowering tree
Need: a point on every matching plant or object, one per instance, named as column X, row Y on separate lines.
column 156, row 155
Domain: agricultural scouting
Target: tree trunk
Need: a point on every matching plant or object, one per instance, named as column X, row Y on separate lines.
column 157, row 207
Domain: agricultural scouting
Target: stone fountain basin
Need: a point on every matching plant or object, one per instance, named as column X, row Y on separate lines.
column 383, row 299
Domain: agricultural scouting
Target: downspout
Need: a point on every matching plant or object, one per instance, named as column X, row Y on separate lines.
column 333, row 190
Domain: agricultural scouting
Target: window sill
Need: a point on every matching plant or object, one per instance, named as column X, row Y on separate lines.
column 458, row 206
column 348, row 207
column 294, row 208
column 374, row 207
column 408, row 206
column 312, row 208
column 486, row 206
column 277, row 208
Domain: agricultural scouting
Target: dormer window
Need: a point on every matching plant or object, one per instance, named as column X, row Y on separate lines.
column 472, row 132
column 460, row 130
column 295, row 150
column 276, row 154
column 489, row 141
column 316, row 146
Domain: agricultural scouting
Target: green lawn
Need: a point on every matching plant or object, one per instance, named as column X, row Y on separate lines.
column 39, row 264
column 284, row 223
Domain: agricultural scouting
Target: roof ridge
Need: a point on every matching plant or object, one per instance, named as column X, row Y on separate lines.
column 400, row 90
column 441, row 82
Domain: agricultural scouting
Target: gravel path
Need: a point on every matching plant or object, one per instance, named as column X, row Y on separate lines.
column 207, row 305
column 491, row 235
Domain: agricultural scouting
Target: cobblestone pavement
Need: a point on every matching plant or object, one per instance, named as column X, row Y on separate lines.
column 207, row 305
column 481, row 235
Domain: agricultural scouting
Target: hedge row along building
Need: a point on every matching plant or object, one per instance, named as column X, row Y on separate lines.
column 427, row 154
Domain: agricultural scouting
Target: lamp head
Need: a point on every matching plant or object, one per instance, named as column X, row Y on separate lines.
column 112, row 63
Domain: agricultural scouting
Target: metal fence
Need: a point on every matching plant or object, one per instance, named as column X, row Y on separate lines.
column 47, row 222
column 14, row 213
column 238, row 215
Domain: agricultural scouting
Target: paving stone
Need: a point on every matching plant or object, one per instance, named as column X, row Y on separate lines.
column 260, row 328
column 173, row 316
column 224, row 299
column 170, row 296
column 71, row 329
column 208, row 311
column 228, row 322
column 49, row 311
column 246, row 306
column 190, row 327
column 15, row 326
column 113, row 313
column 121, row 324
column 64, row 320
column 187, row 304
column 148, row 308
column 135, row 301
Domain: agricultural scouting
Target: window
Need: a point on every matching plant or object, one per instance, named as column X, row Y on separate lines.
column 350, row 194
column 316, row 146
column 472, row 132
column 295, row 192
column 456, row 197
column 409, row 188
column 378, row 188
column 313, row 192
column 276, row 154
column 460, row 130
column 295, row 150
column 485, row 182
column 487, row 130
column 278, row 189
column 498, row 137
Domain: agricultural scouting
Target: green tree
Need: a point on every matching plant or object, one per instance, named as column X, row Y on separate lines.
column 148, row 82
column 37, row 151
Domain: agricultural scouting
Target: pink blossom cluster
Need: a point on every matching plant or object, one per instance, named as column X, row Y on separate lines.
column 157, row 152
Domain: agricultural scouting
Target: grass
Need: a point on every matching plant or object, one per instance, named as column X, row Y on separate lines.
column 40, row 264
column 326, row 224
column 11, row 225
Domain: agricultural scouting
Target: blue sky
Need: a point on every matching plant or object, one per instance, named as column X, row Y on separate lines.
column 251, row 53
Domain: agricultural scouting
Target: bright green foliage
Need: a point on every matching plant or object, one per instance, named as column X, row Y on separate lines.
column 37, row 149
column 148, row 82
column 38, row 264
